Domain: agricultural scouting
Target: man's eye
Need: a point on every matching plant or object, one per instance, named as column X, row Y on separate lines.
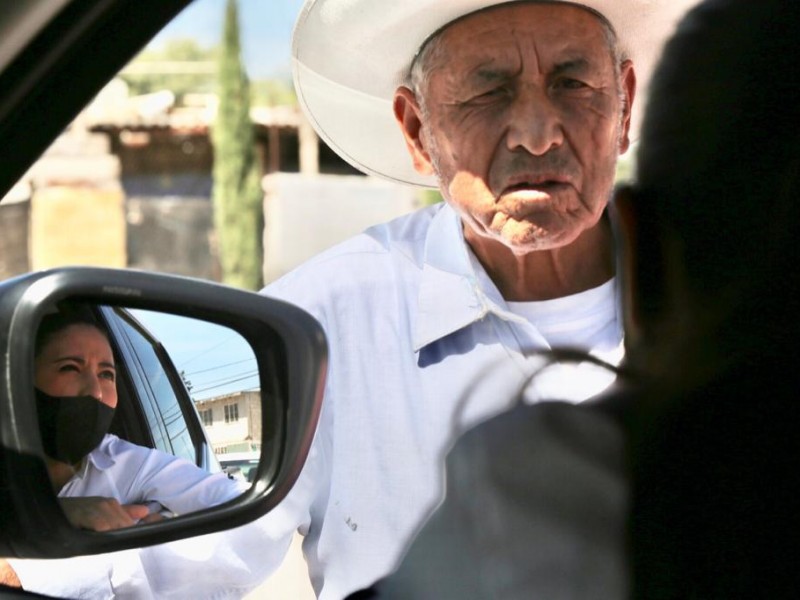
column 68, row 368
column 570, row 84
column 488, row 95
column 110, row 375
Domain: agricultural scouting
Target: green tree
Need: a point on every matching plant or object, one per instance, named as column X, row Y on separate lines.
column 626, row 166
column 179, row 65
column 427, row 197
column 273, row 92
column 237, row 196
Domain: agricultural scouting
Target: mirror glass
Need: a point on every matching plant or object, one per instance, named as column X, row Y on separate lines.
column 159, row 411
column 220, row 372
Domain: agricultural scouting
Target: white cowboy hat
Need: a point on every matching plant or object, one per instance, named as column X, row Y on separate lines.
column 349, row 56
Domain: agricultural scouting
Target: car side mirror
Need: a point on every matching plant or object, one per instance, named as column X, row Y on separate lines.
column 290, row 354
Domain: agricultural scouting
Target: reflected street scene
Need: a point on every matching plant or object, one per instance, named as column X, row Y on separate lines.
column 220, row 373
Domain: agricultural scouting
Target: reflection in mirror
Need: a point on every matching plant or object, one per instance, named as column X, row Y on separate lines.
column 134, row 408
column 220, row 373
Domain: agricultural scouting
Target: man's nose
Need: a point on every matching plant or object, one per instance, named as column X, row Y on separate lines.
column 535, row 123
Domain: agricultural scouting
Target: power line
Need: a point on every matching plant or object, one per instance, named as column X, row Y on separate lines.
column 228, row 377
column 221, row 366
column 209, row 349
column 212, row 387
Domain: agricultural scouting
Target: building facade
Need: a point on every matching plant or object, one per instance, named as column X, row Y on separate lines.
column 232, row 421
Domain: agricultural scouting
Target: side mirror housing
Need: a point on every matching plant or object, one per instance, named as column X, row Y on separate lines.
column 289, row 347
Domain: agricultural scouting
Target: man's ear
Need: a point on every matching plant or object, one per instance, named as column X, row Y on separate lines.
column 409, row 115
column 628, row 87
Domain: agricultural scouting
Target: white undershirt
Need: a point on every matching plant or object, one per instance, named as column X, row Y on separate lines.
column 584, row 320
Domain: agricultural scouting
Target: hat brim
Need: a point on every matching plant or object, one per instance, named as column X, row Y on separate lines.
column 349, row 57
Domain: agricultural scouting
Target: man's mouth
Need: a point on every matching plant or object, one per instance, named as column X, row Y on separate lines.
column 547, row 186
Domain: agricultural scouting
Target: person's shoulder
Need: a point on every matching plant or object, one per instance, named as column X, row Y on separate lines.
column 580, row 431
column 406, row 233
column 401, row 237
column 118, row 449
column 385, row 251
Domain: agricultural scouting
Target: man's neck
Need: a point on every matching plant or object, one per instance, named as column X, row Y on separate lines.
column 586, row 263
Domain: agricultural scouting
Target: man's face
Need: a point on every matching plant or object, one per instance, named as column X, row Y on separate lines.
column 522, row 122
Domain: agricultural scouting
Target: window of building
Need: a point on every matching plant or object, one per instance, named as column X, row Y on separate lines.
column 231, row 412
column 207, row 417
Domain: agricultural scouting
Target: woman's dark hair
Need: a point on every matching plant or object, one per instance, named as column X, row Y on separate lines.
column 67, row 316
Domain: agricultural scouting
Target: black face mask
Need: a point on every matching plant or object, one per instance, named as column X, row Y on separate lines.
column 71, row 426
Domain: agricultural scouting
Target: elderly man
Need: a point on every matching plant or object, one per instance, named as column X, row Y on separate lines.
column 708, row 413
column 517, row 112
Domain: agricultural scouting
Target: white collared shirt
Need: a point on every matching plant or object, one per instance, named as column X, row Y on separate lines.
column 422, row 345
column 134, row 474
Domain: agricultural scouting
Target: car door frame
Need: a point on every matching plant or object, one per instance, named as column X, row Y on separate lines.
column 143, row 395
column 95, row 38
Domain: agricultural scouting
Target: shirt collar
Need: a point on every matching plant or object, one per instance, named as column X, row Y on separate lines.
column 455, row 291
column 100, row 457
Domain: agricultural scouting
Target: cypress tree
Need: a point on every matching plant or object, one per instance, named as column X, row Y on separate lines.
column 237, row 195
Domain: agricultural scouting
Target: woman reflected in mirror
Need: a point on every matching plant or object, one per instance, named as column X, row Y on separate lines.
column 104, row 482
column 76, row 394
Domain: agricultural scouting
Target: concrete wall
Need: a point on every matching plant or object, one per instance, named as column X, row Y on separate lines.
column 77, row 205
column 305, row 214
column 70, row 209
column 14, row 219
column 78, row 214
column 78, row 225
column 172, row 235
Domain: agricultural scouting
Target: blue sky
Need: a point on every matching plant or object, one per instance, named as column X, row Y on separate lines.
column 265, row 26
column 216, row 360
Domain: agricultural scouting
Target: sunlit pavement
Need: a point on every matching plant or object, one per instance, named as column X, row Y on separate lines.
column 290, row 582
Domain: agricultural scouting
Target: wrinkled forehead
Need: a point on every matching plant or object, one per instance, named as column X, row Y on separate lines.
column 551, row 25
